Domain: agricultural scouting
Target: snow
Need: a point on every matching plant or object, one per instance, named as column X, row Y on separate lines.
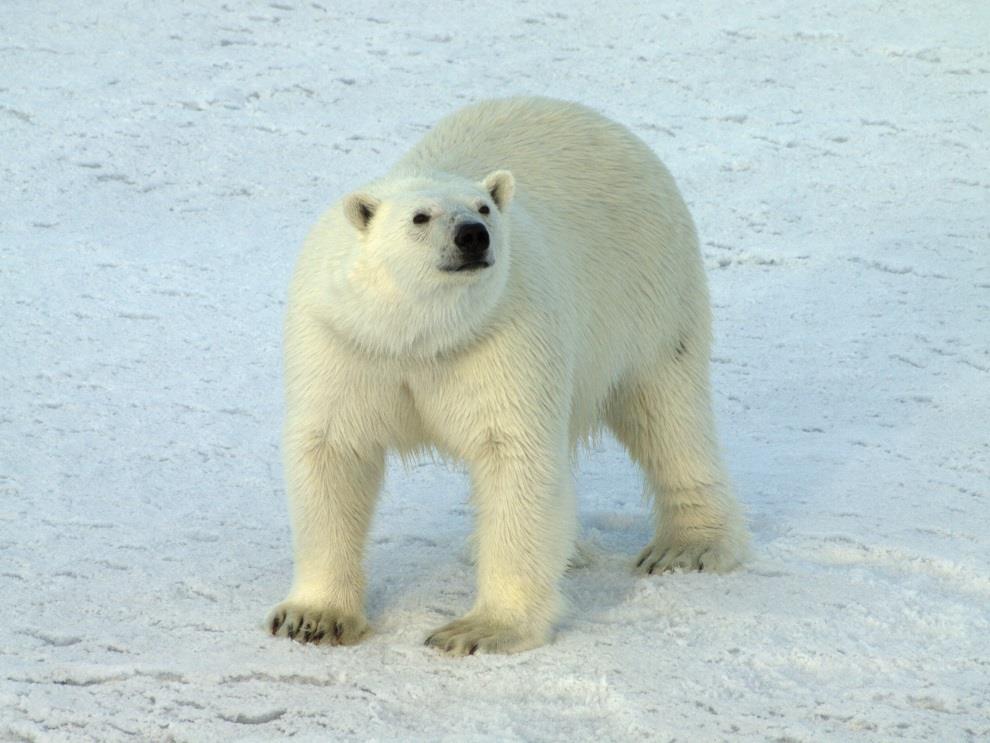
column 161, row 164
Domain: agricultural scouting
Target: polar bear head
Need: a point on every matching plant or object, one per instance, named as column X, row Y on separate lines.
column 426, row 261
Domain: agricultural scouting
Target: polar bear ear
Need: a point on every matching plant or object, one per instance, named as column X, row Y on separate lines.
column 359, row 208
column 501, row 184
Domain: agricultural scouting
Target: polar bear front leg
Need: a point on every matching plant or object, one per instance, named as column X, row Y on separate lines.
column 332, row 493
column 526, row 524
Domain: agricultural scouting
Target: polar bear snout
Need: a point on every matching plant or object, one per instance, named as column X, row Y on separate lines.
column 472, row 242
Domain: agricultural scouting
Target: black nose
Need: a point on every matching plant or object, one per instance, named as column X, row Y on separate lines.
column 472, row 239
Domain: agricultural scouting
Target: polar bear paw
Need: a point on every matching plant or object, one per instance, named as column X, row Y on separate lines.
column 666, row 556
column 471, row 635
column 318, row 625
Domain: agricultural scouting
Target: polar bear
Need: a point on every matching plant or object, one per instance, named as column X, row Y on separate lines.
column 526, row 274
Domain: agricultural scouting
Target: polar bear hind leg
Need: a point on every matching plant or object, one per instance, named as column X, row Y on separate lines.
column 662, row 415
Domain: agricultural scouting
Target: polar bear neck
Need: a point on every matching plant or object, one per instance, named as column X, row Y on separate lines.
column 422, row 328
column 381, row 319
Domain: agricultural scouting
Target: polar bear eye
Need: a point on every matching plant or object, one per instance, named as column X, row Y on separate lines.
column 484, row 209
column 421, row 218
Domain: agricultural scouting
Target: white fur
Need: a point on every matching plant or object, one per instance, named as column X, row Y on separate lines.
column 595, row 311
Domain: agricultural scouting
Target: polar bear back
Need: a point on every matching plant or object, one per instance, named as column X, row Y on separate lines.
column 554, row 148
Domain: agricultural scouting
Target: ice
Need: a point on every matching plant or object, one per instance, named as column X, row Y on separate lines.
column 160, row 166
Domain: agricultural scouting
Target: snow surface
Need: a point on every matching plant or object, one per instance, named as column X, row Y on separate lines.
column 161, row 164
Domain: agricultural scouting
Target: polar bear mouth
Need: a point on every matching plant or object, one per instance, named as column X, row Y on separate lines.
column 468, row 266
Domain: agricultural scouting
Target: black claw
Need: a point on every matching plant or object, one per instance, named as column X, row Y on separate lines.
column 292, row 631
column 473, row 650
column 338, row 630
column 658, row 561
column 639, row 564
column 276, row 623
column 317, row 637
